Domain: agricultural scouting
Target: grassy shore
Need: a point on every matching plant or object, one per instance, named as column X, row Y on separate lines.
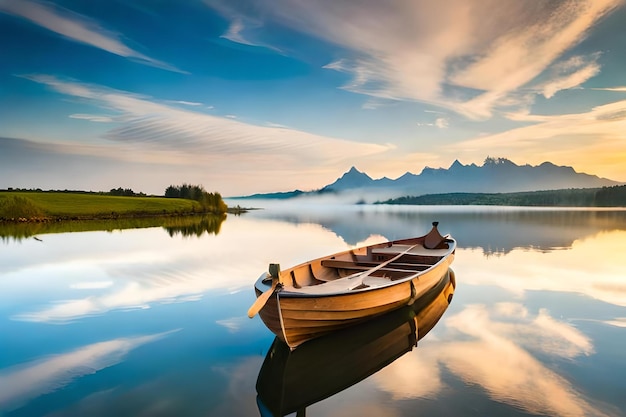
column 47, row 206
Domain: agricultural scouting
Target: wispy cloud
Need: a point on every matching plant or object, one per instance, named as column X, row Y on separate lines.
column 570, row 74
column 515, row 57
column 150, row 122
column 593, row 141
column 465, row 56
column 185, row 103
column 91, row 117
column 174, row 135
column 618, row 89
column 244, row 27
column 440, row 122
column 235, row 33
column 90, row 285
column 78, row 28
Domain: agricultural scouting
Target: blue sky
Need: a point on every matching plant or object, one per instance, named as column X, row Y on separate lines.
column 272, row 95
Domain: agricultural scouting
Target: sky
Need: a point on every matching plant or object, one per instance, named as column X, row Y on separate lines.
column 259, row 96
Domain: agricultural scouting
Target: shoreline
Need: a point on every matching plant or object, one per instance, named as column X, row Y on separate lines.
column 115, row 216
column 53, row 207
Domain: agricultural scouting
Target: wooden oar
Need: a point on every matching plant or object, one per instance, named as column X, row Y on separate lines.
column 275, row 273
column 384, row 264
column 260, row 302
column 262, row 299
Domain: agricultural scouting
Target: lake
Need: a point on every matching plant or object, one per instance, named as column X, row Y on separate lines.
column 152, row 322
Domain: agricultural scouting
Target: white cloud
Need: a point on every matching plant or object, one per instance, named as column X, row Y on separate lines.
column 78, row 28
column 243, row 28
column 92, row 117
column 413, row 50
column 593, row 141
column 186, row 103
column 618, row 89
column 91, row 285
column 234, row 32
column 569, row 74
column 178, row 135
column 440, row 122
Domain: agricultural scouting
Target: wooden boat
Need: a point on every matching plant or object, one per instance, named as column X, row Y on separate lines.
column 290, row 381
column 341, row 290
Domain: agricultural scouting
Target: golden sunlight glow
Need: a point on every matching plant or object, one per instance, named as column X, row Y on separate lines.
column 594, row 267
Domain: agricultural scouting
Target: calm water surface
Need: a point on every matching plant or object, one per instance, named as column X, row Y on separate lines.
column 143, row 322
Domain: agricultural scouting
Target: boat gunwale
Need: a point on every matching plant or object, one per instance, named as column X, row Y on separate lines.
column 261, row 286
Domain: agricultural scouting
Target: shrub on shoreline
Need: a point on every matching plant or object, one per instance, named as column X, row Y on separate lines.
column 17, row 207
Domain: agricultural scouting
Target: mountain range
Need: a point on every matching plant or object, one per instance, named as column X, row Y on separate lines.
column 496, row 175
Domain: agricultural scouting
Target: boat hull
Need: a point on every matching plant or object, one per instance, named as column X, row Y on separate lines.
column 296, row 319
column 291, row 380
column 340, row 290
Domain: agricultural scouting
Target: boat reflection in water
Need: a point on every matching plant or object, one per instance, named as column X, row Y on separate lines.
column 289, row 381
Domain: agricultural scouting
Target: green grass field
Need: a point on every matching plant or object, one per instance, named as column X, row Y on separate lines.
column 84, row 206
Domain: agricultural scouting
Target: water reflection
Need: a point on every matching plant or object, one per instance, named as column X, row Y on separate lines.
column 536, row 326
column 493, row 229
column 497, row 348
column 22, row 383
column 199, row 226
column 67, row 277
column 289, row 381
column 593, row 266
column 195, row 225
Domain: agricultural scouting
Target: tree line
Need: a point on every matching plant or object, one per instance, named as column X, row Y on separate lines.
column 585, row 197
column 125, row 192
column 211, row 202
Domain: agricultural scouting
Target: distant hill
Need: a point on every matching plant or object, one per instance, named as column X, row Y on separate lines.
column 574, row 197
column 496, row 175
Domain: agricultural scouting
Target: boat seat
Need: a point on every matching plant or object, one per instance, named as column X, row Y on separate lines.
column 330, row 287
column 371, row 281
column 364, row 266
column 348, row 283
column 418, row 250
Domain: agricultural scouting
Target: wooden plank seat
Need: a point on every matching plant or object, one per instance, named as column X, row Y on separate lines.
column 372, row 281
column 351, row 282
column 364, row 266
column 418, row 250
column 331, row 287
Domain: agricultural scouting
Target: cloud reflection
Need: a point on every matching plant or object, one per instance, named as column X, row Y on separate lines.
column 24, row 382
column 495, row 359
column 588, row 268
column 618, row 322
column 142, row 268
column 495, row 348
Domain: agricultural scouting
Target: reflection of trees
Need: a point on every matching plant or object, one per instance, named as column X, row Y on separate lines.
column 494, row 230
column 209, row 224
column 186, row 225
